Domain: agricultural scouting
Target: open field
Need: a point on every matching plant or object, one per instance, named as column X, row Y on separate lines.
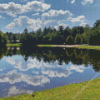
column 90, row 92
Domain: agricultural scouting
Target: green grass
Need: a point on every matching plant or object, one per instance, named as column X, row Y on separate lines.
column 88, row 47
column 91, row 92
column 14, row 44
column 46, row 45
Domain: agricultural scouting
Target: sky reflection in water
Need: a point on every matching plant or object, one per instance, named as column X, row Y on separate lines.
column 20, row 76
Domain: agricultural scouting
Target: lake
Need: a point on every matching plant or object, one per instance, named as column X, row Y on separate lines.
column 27, row 70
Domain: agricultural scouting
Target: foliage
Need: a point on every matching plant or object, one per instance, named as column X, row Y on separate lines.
column 50, row 35
column 3, row 39
column 70, row 40
column 14, row 45
column 78, row 39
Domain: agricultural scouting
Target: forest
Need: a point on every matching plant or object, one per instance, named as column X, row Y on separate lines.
column 76, row 35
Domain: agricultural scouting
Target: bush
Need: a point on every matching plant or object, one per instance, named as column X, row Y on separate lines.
column 78, row 39
column 70, row 40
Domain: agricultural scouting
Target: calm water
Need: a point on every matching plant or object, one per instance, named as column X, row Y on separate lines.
column 26, row 71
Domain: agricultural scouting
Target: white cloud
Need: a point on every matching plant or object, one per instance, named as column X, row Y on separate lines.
column 79, row 69
column 36, row 14
column 14, row 91
column 48, row 22
column 56, row 15
column 64, row 25
column 10, row 60
column 78, row 19
column 14, row 77
column 25, row 21
column 13, row 9
column 83, row 24
column 73, row 1
column 33, row 63
column 87, row 1
column 52, row 74
column 11, row 25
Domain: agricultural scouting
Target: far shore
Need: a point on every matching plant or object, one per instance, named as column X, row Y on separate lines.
column 83, row 46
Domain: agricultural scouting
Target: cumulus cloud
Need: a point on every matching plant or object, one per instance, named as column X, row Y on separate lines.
column 73, row 1
column 56, row 15
column 79, row 69
column 10, row 60
column 14, row 77
column 62, row 72
column 25, row 21
column 36, row 14
column 83, row 24
column 13, row 9
column 14, row 91
column 52, row 73
column 79, row 19
column 33, row 63
column 87, row 1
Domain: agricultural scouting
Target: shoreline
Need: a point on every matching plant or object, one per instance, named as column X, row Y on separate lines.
column 60, row 46
column 66, row 92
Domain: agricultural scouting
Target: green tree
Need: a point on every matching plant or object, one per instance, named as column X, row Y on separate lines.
column 97, row 23
column 25, row 31
column 3, row 39
column 70, row 40
column 14, row 38
column 78, row 39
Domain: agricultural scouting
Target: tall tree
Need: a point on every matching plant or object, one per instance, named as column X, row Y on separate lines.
column 25, row 31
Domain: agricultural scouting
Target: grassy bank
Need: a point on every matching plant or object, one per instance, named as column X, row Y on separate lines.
column 88, row 47
column 14, row 44
column 46, row 45
column 91, row 92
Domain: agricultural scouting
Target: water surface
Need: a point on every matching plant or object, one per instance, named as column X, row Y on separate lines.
column 28, row 70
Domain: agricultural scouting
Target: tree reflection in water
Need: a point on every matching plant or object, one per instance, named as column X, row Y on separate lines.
column 76, row 56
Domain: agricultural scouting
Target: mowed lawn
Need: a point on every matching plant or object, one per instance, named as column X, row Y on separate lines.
column 68, row 92
column 88, row 47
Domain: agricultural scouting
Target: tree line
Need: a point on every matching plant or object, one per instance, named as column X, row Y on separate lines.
column 75, row 35
column 50, row 35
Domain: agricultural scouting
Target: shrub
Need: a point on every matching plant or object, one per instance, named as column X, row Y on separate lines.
column 78, row 39
column 70, row 40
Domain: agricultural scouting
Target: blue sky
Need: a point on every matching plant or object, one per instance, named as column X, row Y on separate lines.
column 16, row 15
